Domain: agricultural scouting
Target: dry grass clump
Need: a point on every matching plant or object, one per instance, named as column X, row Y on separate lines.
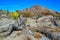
column 37, row 35
column 28, row 14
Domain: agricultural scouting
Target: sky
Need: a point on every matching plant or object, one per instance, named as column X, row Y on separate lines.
column 13, row 5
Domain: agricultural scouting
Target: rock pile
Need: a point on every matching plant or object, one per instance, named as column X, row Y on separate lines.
column 41, row 27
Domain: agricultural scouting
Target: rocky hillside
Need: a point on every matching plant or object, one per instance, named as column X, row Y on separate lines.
column 39, row 10
column 30, row 24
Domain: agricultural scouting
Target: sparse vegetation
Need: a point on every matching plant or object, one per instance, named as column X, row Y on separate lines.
column 14, row 15
column 27, row 14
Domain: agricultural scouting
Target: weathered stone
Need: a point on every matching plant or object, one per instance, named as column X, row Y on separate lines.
column 47, row 21
column 54, row 35
column 5, row 31
column 6, row 27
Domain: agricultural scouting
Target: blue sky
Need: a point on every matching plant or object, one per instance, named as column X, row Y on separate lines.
column 13, row 5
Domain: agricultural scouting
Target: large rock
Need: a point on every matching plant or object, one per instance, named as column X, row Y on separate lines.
column 30, row 22
column 47, row 21
column 6, row 27
column 5, row 31
column 25, row 35
column 54, row 35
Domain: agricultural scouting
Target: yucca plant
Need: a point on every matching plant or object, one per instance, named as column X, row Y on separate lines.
column 14, row 15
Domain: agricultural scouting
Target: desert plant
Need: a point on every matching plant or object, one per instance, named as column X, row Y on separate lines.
column 14, row 15
column 27, row 14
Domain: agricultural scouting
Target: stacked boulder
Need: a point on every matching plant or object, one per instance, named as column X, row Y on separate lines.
column 41, row 28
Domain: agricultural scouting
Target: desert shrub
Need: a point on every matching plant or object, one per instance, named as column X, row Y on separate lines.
column 27, row 14
column 14, row 15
